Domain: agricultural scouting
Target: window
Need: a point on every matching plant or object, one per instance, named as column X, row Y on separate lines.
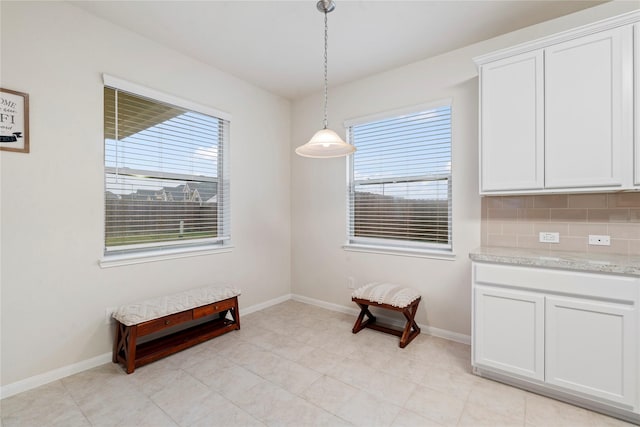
column 166, row 171
column 400, row 180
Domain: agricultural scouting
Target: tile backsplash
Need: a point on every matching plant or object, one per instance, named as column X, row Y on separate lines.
column 516, row 221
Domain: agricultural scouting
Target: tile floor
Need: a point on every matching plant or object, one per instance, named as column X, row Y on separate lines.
column 294, row 364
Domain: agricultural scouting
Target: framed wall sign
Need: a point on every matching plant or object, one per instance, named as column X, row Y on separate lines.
column 14, row 121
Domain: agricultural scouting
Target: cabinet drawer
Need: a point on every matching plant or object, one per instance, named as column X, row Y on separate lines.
column 596, row 285
column 216, row 307
column 164, row 322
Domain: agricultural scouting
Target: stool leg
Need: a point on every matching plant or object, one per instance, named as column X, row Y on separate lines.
column 408, row 335
column 360, row 325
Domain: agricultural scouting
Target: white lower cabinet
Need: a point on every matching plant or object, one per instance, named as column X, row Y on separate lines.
column 516, row 346
column 573, row 334
column 590, row 347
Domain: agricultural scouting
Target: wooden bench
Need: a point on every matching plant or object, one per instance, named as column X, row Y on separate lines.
column 388, row 297
column 205, row 308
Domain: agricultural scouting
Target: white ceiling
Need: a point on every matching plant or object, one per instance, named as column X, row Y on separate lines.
column 278, row 45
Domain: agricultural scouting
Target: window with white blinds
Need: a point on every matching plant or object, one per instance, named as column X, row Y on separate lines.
column 399, row 192
column 166, row 173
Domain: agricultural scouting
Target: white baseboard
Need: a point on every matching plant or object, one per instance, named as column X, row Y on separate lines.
column 56, row 374
column 263, row 305
column 65, row 371
column 324, row 304
column 425, row 329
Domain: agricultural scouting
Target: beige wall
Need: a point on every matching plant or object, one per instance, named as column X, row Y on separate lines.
column 320, row 266
column 288, row 213
column 54, row 294
column 516, row 221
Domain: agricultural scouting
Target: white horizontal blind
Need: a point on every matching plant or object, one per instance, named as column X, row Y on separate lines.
column 400, row 180
column 166, row 180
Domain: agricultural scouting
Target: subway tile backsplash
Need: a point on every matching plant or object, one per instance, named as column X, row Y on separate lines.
column 516, row 221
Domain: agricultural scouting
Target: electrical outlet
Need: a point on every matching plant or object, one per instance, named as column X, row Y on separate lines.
column 549, row 237
column 599, row 240
column 351, row 282
column 108, row 315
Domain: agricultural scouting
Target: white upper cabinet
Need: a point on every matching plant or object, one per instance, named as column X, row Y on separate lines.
column 636, row 43
column 557, row 114
column 512, row 133
column 583, row 111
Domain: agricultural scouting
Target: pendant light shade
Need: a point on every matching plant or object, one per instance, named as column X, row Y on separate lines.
column 325, row 143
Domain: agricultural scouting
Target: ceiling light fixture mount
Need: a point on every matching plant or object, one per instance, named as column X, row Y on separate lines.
column 325, row 143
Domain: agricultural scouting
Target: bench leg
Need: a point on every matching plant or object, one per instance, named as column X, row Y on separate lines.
column 131, row 351
column 411, row 329
column 117, row 342
column 360, row 325
column 235, row 314
column 124, row 346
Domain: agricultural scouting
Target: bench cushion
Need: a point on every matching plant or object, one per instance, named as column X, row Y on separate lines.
column 144, row 311
column 387, row 293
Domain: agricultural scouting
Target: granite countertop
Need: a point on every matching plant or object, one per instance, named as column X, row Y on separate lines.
column 589, row 262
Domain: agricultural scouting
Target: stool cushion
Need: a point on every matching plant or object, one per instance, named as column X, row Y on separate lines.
column 150, row 309
column 387, row 293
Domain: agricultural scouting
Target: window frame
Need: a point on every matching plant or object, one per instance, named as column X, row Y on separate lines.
column 398, row 246
column 144, row 252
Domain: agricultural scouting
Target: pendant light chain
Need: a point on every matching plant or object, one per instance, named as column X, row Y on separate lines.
column 325, row 143
column 326, row 83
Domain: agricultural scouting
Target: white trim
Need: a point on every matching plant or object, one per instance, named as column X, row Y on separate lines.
column 425, row 329
column 157, row 95
column 398, row 112
column 140, row 257
column 54, row 375
column 446, row 334
column 564, row 395
column 541, row 43
column 324, row 304
column 266, row 304
column 400, row 251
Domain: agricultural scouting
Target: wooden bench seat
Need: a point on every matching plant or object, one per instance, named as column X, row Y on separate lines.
column 206, row 308
column 388, row 297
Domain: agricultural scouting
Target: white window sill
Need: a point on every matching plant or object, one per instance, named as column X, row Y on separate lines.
column 409, row 252
column 116, row 260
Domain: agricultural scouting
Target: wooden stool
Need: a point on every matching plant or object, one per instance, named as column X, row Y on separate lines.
column 388, row 297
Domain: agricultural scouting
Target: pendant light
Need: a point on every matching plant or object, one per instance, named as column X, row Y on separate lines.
column 325, row 143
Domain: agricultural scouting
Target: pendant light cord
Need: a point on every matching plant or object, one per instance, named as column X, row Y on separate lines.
column 326, row 41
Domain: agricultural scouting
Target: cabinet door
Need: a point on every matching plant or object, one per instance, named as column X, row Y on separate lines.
column 636, row 43
column 591, row 348
column 583, row 111
column 511, row 123
column 509, row 331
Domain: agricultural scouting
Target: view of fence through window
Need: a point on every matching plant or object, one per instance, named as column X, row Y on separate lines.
column 400, row 189
column 162, row 169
